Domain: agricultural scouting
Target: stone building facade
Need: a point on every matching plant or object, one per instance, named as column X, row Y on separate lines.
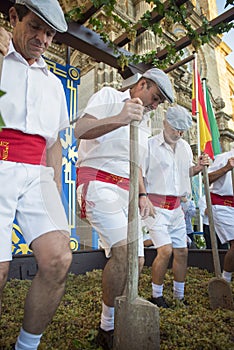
column 211, row 59
column 212, row 63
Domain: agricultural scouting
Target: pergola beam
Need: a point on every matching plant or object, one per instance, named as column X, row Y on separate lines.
column 155, row 17
column 226, row 17
column 86, row 15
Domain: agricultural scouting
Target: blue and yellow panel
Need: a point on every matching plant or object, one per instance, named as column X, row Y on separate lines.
column 70, row 78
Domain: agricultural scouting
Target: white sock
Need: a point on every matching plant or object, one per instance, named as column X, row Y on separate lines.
column 227, row 276
column 157, row 290
column 107, row 317
column 27, row 341
column 178, row 290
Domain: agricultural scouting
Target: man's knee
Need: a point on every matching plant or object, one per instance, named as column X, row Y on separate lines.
column 180, row 253
column 164, row 252
column 56, row 265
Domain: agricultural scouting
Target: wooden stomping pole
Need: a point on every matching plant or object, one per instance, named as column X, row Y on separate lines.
column 136, row 319
column 232, row 174
column 220, row 293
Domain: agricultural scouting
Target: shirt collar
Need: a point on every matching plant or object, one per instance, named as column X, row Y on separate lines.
column 126, row 95
column 161, row 138
column 40, row 63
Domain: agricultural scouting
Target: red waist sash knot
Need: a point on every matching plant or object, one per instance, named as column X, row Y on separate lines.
column 86, row 174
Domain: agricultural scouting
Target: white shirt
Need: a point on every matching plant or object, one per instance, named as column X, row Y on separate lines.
column 202, row 207
column 222, row 186
column 34, row 102
column 110, row 152
column 167, row 170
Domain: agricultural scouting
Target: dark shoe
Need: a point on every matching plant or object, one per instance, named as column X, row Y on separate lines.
column 105, row 339
column 181, row 303
column 160, row 302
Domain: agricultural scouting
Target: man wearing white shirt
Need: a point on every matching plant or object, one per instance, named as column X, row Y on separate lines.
column 221, row 191
column 103, row 176
column 169, row 166
column 34, row 110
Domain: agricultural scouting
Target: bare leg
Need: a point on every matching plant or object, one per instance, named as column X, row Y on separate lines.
column 4, row 268
column 229, row 258
column 114, row 274
column 141, row 261
column 53, row 255
column 180, row 264
column 160, row 264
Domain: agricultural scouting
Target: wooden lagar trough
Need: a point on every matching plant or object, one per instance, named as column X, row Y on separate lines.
column 24, row 266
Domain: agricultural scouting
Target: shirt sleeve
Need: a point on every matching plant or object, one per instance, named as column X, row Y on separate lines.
column 103, row 104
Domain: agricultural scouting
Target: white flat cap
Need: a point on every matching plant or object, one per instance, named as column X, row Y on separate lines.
column 49, row 11
column 162, row 81
column 179, row 118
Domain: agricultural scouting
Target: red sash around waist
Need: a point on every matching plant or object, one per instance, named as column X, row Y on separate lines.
column 227, row 201
column 163, row 201
column 16, row 146
column 86, row 174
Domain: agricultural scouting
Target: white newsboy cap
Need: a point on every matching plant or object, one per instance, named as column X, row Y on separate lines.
column 49, row 11
column 162, row 81
column 179, row 118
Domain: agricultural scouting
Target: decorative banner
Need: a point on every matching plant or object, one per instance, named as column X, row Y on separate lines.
column 70, row 78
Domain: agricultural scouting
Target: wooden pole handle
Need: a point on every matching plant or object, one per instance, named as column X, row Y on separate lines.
column 132, row 262
column 232, row 174
column 211, row 223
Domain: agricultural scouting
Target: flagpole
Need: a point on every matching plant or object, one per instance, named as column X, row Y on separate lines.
column 198, row 133
column 204, row 90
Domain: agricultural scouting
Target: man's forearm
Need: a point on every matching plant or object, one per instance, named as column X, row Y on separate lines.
column 194, row 170
column 141, row 183
column 215, row 175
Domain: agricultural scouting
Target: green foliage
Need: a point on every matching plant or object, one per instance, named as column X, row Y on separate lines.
column 174, row 14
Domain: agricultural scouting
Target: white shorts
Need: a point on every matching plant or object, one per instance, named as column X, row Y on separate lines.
column 107, row 212
column 224, row 222
column 168, row 227
column 29, row 194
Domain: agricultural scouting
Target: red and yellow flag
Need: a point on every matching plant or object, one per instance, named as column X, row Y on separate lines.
column 199, row 108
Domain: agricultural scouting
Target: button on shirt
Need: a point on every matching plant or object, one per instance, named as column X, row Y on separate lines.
column 110, row 152
column 34, row 102
column 167, row 170
column 222, row 186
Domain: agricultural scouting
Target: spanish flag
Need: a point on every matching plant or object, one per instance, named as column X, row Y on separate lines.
column 199, row 109
column 212, row 120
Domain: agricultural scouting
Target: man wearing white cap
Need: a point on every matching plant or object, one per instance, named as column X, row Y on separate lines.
column 34, row 110
column 103, row 176
column 169, row 166
column 222, row 199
